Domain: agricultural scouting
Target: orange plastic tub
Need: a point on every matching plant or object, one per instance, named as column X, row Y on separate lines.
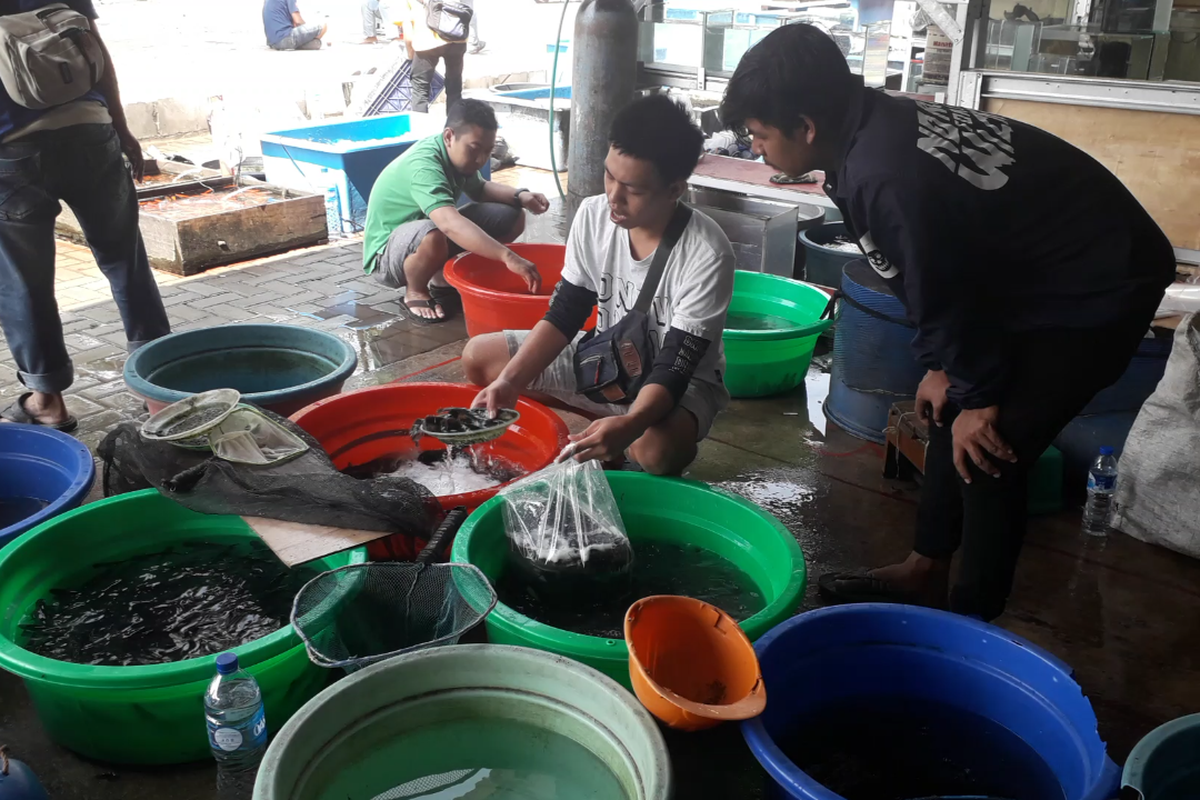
column 496, row 299
column 530, row 444
column 690, row 663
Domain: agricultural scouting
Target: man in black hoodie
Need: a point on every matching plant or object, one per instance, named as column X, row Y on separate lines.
column 1030, row 272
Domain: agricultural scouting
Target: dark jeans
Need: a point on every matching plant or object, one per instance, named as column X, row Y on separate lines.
column 83, row 167
column 425, row 64
column 1056, row 374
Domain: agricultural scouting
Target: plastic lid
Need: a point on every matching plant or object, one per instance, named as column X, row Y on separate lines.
column 1106, row 451
column 227, row 664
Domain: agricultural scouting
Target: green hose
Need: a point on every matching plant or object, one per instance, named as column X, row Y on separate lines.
column 553, row 82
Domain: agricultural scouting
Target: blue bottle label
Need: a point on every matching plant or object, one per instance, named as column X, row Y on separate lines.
column 1103, row 483
column 250, row 735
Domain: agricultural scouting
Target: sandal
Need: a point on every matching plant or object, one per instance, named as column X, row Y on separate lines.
column 431, row 303
column 861, row 587
column 17, row 413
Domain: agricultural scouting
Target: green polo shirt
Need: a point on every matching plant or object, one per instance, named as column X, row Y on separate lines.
column 411, row 188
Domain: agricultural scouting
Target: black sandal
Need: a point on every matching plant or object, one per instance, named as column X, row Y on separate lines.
column 17, row 413
column 431, row 303
column 861, row 587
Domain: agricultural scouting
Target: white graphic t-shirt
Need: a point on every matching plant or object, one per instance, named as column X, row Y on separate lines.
column 692, row 296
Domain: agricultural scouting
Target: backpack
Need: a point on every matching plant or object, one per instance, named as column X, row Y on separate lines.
column 49, row 56
column 449, row 19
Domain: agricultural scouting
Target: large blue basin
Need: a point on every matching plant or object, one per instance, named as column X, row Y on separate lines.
column 279, row 367
column 42, row 474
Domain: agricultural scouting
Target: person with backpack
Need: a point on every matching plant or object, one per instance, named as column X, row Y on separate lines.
column 437, row 30
column 63, row 139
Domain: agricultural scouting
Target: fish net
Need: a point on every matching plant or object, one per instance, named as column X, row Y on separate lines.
column 358, row 615
column 307, row 488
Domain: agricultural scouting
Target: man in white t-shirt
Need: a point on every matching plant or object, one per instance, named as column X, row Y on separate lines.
column 654, row 148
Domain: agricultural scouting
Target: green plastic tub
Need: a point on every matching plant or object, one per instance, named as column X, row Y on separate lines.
column 667, row 510
column 773, row 360
column 135, row 715
column 352, row 741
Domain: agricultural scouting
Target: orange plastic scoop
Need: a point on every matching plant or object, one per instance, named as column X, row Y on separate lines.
column 690, row 663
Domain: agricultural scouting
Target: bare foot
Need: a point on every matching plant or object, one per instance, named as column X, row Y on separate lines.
column 924, row 578
column 371, row 40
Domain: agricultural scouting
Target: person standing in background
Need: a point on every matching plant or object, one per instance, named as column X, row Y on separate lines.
column 426, row 48
column 372, row 21
column 475, row 44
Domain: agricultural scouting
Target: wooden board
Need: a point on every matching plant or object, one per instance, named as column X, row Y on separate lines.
column 754, row 172
column 1156, row 154
column 295, row 543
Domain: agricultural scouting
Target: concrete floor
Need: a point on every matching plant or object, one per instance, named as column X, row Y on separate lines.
column 1124, row 614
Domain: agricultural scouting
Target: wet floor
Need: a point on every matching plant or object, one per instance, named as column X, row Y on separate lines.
column 1125, row 615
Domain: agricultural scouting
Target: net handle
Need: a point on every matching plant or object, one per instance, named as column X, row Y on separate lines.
column 441, row 537
column 4, row 760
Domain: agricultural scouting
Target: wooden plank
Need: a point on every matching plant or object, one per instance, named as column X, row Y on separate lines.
column 757, row 173
column 1154, row 153
column 295, row 543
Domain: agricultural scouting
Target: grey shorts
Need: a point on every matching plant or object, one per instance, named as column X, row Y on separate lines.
column 495, row 219
column 703, row 399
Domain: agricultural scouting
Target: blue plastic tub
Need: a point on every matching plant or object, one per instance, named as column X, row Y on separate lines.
column 43, row 471
column 538, row 93
column 857, row 652
column 1137, row 383
column 873, row 363
column 1165, row 765
column 279, row 367
column 823, row 265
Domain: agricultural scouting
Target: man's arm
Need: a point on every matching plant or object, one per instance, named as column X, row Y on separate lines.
column 112, row 96
column 493, row 192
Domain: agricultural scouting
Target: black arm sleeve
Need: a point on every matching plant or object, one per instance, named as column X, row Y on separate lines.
column 570, row 307
column 677, row 361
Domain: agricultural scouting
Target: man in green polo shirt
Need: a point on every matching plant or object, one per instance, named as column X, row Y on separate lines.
column 414, row 225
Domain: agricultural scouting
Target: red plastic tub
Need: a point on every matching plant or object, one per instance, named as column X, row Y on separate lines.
column 495, row 299
column 530, row 444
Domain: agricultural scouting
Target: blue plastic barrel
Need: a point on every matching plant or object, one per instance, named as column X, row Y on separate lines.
column 40, row 467
column 823, row 265
column 873, row 363
column 857, row 652
column 1138, row 382
column 1165, row 765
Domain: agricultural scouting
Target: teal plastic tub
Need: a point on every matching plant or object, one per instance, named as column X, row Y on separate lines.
column 770, row 333
column 663, row 509
column 1166, row 764
column 148, row 714
column 349, row 741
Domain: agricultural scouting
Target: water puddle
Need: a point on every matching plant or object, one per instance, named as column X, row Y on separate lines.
column 888, row 748
column 195, row 599
column 596, row 606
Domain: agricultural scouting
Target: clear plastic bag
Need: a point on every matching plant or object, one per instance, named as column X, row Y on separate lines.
column 563, row 522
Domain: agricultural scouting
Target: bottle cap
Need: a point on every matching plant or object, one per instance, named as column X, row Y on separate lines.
column 227, row 664
column 1106, row 451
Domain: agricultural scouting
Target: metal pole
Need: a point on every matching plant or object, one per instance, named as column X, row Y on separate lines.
column 603, row 80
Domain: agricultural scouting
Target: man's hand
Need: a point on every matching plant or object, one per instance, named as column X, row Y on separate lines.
column 499, row 395
column 931, row 396
column 975, row 436
column 132, row 149
column 534, row 202
column 606, row 439
column 528, row 272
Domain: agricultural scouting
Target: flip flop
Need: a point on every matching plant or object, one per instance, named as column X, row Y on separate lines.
column 861, row 587
column 432, row 303
column 17, row 413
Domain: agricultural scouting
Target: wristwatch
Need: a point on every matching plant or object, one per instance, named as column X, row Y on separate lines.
column 517, row 197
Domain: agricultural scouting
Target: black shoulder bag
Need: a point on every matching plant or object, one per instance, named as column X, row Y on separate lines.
column 611, row 366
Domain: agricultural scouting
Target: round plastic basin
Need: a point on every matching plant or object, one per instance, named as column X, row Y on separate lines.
column 42, row 474
column 1164, row 765
column 858, row 652
column 824, row 264
column 329, row 751
column 147, row 714
column 663, row 509
column 279, row 367
column 495, row 299
column 775, row 358
column 530, row 444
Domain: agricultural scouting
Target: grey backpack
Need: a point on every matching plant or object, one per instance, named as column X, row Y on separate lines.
column 49, row 57
column 449, row 19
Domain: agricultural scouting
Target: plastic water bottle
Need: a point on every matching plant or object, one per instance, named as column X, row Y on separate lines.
column 1102, row 483
column 237, row 728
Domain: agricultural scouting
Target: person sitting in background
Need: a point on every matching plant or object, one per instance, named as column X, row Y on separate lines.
column 413, row 225
column 287, row 30
column 654, row 146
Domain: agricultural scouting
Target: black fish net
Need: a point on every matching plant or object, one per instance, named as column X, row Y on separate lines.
column 305, row 489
